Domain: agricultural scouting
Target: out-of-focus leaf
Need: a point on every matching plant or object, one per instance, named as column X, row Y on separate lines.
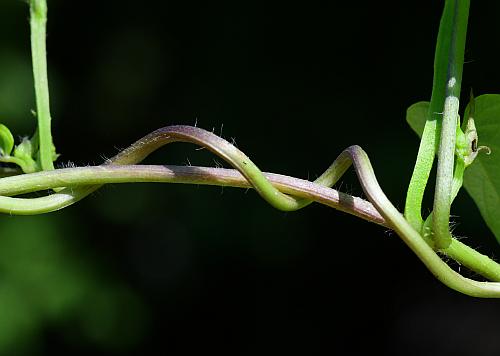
column 16, row 91
column 6, row 140
column 25, row 153
column 46, row 279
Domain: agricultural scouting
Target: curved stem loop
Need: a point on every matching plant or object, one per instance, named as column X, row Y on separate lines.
column 248, row 174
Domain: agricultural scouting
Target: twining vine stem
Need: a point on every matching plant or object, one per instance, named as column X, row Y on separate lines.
column 80, row 182
column 282, row 192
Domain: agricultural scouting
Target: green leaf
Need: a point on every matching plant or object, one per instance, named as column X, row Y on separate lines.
column 6, row 141
column 23, row 155
column 416, row 116
column 482, row 177
column 24, row 149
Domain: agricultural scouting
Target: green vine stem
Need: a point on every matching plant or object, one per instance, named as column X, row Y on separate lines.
column 282, row 192
column 142, row 148
column 448, row 64
column 447, row 143
column 38, row 21
column 107, row 174
column 247, row 174
column 430, row 136
column 412, row 238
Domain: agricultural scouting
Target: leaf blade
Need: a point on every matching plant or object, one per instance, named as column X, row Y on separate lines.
column 6, row 141
column 482, row 178
column 416, row 116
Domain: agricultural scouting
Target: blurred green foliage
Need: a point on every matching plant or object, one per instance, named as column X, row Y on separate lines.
column 46, row 278
column 16, row 92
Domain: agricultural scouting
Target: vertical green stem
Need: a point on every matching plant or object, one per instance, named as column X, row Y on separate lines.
column 38, row 21
column 444, row 175
column 421, row 173
column 448, row 63
column 459, row 13
column 430, row 135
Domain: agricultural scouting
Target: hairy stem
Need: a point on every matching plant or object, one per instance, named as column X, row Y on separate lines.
column 412, row 238
column 248, row 175
column 142, row 148
column 468, row 257
column 106, row 174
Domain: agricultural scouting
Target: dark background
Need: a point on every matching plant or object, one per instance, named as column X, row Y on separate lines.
column 143, row 267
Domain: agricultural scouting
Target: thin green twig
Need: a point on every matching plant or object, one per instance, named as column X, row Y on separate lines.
column 38, row 21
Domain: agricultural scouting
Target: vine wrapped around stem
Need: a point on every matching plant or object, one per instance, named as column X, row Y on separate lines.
column 80, row 182
column 282, row 192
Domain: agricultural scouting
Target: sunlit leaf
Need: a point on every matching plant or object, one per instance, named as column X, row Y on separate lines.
column 482, row 178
